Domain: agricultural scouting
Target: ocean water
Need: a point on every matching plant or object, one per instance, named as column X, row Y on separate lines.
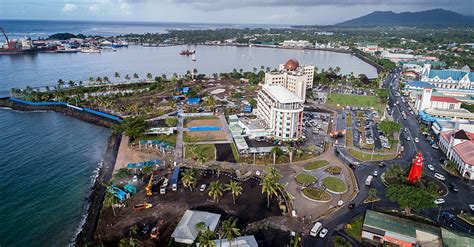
column 47, row 161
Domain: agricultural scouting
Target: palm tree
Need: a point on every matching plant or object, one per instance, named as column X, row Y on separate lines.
column 91, row 79
column 127, row 77
column 109, row 200
column 189, row 178
column 215, row 190
column 205, row 235
column 147, row 170
column 276, row 151
column 230, row 229
column 149, row 76
column 202, row 159
column 372, row 195
column 99, row 79
column 270, row 187
column 235, row 189
column 106, row 79
column 71, row 83
column 61, row 83
column 135, row 75
column 116, row 75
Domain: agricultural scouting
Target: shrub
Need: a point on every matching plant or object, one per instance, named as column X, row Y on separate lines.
column 333, row 170
column 316, row 194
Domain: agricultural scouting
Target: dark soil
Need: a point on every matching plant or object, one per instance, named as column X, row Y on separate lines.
column 251, row 206
column 224, row 153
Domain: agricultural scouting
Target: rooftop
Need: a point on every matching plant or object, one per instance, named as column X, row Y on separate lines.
column 453, row 239
column 444, row 99
column 420, row 84
column 466, row 151
column 281, row 94
column 186, row 231
column 244, row 241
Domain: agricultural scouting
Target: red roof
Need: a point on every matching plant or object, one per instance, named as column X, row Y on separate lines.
column 444, row 99
column 466, row 151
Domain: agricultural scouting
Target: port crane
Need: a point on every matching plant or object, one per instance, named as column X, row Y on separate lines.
column 6, row 38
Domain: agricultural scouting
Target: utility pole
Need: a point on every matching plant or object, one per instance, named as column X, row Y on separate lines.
column 439, row 213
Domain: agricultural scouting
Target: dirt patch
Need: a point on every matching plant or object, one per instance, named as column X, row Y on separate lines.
column 249, row 207
column 224, row 153
column 202, row 122
column 200, row 136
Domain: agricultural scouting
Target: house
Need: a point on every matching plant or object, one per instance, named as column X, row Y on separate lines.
column 186, row 232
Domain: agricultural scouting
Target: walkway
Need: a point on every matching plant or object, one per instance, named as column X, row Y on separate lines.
column 178, row 151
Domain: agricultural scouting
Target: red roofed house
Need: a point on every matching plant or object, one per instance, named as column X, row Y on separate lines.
column 427, row 100
column 458, row 145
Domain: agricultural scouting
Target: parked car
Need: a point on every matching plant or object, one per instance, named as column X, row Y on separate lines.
column 323, row 233
column 453, row 187
column 376, row 173
column 382, row 164
column 416, row 139
column 435, row 146
column 202, row 187
column 408, row 138
column 448, row 215
column 135, row 178
column 439, row 176
column 431, row 167
column 439, row 201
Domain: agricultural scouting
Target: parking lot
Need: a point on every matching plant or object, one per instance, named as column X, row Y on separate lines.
column 370, row 135
column 315, row 128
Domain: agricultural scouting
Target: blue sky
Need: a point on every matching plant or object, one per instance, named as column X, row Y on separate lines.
column 218, row 11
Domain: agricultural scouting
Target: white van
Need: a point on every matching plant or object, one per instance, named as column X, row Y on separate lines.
column 316, row 228
column 369, row 180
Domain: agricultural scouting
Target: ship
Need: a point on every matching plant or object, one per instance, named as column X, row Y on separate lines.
column 119, row 44
column 66, row 49
column 187, row 52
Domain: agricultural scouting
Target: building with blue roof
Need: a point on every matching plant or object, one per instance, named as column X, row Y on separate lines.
column 193, row 101
column 462, row 79
column 417, row 85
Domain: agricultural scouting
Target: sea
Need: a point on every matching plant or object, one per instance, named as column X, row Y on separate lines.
column 48, row 161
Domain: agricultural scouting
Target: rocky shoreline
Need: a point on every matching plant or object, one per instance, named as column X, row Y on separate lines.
column 97, row 192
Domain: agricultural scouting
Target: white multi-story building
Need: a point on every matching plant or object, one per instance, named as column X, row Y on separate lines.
column 281, row 111
column 296, row 44
column 293, row 77
column 458, row 145
column 427, row 100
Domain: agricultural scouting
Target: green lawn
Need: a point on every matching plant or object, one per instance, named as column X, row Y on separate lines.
column 369, row 157
column 305, row 178
column 206, row 150
column 334, row 184
column 316, row 165
column 354, row 100
column 167, row 138
column 354, row 228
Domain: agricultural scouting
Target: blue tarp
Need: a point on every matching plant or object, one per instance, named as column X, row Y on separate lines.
column 143, row 164
column 204, row 128
column 185, row 90
column 425, row 117
column 247, row 109
column 120, row 194
column 194, row 101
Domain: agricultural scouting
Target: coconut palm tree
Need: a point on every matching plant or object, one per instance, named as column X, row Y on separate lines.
column 235, row 189
column 135, row 75
column 71, row 83
column 127, row 77
column 274, row 174
column 109, row 200
column 106, row 79
column 276, row 151
column 91, row 79
column 149, row 76
column 215, row 190
column 189, row 178
column 116, row 75
column 61, row 83
column 270, row 187
column 229, row 229
column 205, row 236
column 202, row 159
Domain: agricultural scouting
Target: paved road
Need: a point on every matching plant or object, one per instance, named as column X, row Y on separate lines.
column 455, row 201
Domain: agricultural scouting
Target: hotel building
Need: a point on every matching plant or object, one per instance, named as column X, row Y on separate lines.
column 281, row 111
column 293, row 77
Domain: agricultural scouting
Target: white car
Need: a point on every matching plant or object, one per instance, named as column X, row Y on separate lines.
column 439, row 176
column 376, row 173
column 203, row 187
column 323, row 233
column 408, row 138
column 471, row 206
column 416, row 139
column 439, row 201
column 431, row 167
column 340, row 203
column 135, row 178
column 406, row 129
column 165, row 182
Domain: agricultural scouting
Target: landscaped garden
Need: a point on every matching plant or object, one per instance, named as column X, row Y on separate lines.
column 334, row 184
column 201, row 152
column 316, row 194
column 333, row 170
column 316, row 165
column 305, row 179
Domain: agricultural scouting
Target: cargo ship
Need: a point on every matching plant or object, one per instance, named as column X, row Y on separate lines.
column 187, row 52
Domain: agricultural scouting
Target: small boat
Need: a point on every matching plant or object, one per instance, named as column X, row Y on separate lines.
column 187, row 52
column 193, row 57
column 66, row 49
column 142, row 206
column 90, row 49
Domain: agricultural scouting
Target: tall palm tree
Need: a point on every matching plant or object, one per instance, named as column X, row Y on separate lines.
column 127, row 77
column 109, row 200
column 270, row 187
column 71, row 83
column 116, row 75
column 235, row 189
column 205, row 236
column 106, row 79
column 61, row 83
column 274, row 174
column 215, row 190
column 229, row 229
column 91, row 79
column 135, row 75
column 149, row 76
column 189, row 178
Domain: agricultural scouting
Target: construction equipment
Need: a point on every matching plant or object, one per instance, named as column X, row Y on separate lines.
column 337, row 133
column 141, row 206
column 149, row 186
column 6, row 38
column 155, row 232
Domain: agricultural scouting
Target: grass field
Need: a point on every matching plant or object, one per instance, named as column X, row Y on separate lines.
column 304, row 178
column 354, row 100
column 369, row 157
column 171, row 139
column 334, row 184
column 354, row 229
column 206, row 150
column 316, row 165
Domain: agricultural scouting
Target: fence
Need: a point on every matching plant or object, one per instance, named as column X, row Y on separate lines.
column 94, row 112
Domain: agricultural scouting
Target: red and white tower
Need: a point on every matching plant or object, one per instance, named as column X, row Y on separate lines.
column 415, row 171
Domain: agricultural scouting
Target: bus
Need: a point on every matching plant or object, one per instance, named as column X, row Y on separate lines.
column 316, row 228
column 368, row 181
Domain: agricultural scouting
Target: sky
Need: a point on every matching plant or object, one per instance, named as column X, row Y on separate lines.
column 284, row 12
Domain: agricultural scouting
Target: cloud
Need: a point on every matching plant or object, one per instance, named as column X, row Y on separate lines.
column 69, row 7
column 93, row 8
